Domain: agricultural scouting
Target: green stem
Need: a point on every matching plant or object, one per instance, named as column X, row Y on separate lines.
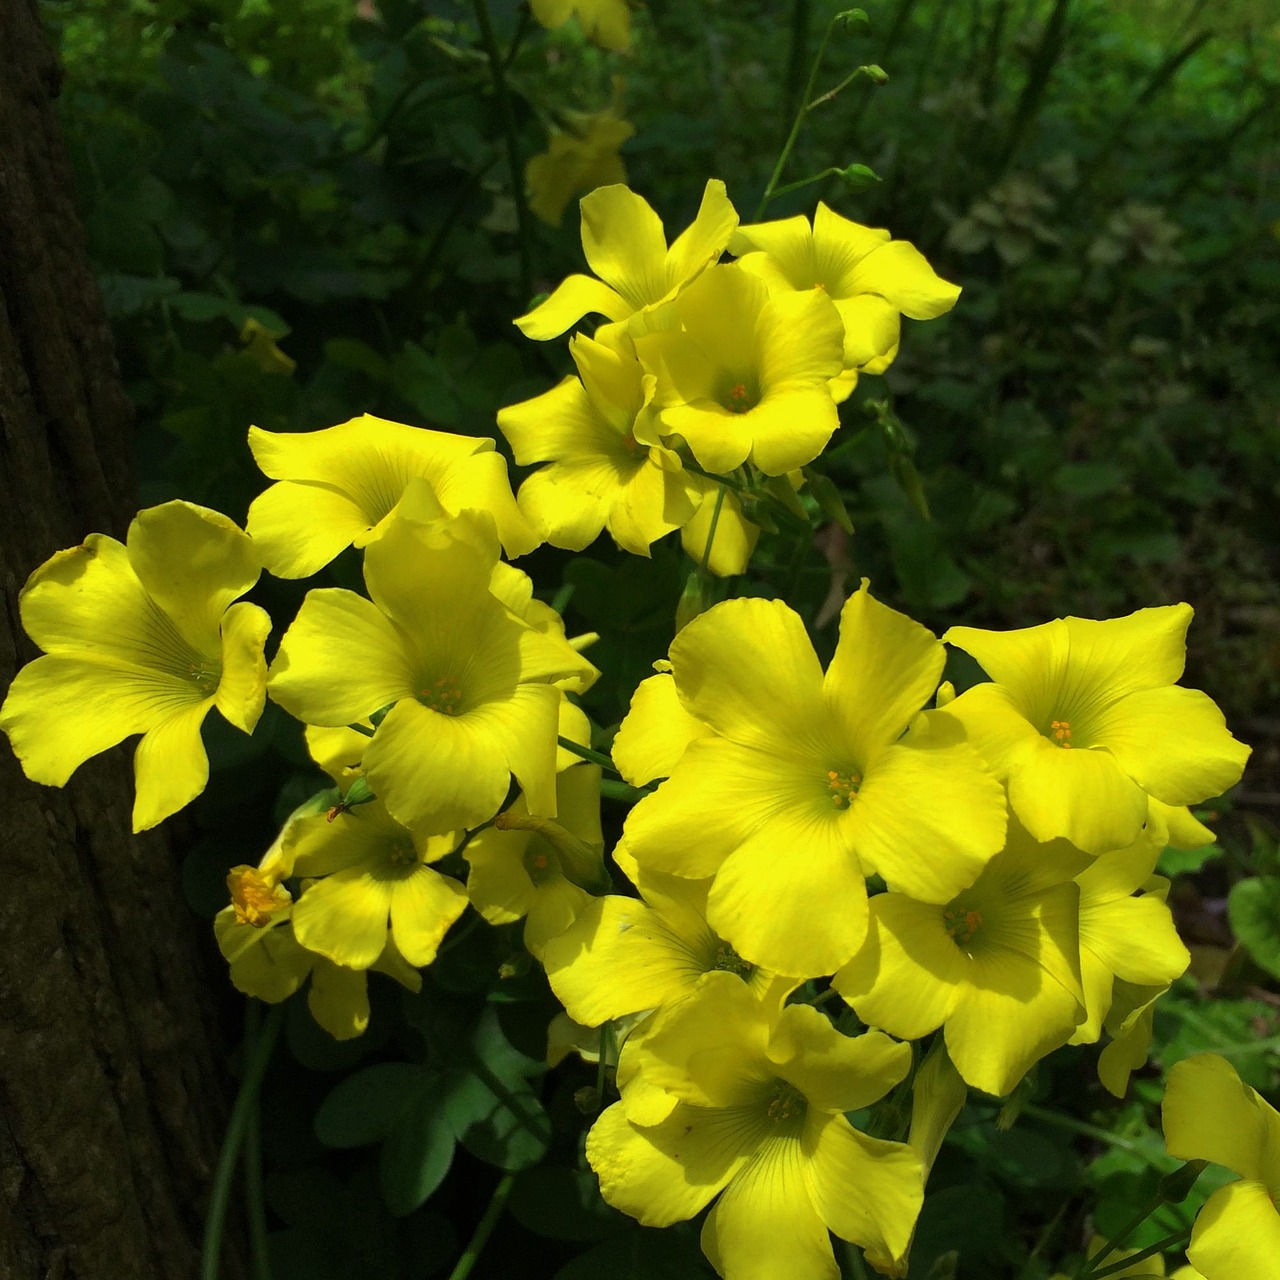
column 711, row 532
column 585, row 753
column 1085, row 1130
column 243, row 1113
column 503, row 98
column 1160, row 1246
column 484, row 1229
column 359, row 728
column 255, row 1198
column 1114, row 1242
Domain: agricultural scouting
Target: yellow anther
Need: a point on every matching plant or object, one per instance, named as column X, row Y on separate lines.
column 961, row 923
column 821, row 288
column 256, row 897
column 843, row 787
column 443, row 696
column 1060, row 731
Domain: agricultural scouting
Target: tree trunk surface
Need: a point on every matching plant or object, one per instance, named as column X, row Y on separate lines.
column 111, row 1087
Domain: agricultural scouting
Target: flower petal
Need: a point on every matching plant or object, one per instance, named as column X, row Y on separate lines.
column 835, row 1072
column 344, row 916
column 624, row 244
column 654, row 733
column 300, row 528
column 789, row 428
column 242, row 690
column 787, row 243
column 423, row 907
column 898, row 272
column 1211, row 1114
column 1030, row 662
column 338, row 999
column 704, row 240
column 575, row 297
column 170, row 766
column 1237, row 1234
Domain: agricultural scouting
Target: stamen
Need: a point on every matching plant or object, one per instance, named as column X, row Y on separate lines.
column 961, row 923
column 739, row 398
column 786, row 1102
column 843, row 787
column 445, row 696
column 1060, row 732
column 731, row 962
column 206, row 675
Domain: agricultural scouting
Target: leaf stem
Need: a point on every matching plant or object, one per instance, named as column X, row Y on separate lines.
column 711, row 532
column 503, row 99
column 484, row 1228
column 585, row 753
column 243, row 1114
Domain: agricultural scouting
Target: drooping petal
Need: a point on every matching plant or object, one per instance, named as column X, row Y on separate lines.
column 735, row 536
column 765, row 1225
column 242, row 688
column 1211, row 1114
column 835, row 1072
column 908, row 975
column 193, row 563
column 885, row 668
column 705, row 239
column 268, row 963
column 1237, row 1234
column 556, row 905
column 1081, row 795
column 748, row 670
column 866, row 1190
column 654, row 733
column 898, row 272
column 423, row 907
column 170, row 766
column 1172, row 742
column 300, row 528
column 340, row 660
column 575, row 297
column 872, row 331
column 665, row 1173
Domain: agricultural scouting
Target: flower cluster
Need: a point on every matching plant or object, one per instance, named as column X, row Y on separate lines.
column 708, row 382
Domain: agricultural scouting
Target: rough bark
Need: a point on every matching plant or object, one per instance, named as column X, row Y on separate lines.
column 111, row 1106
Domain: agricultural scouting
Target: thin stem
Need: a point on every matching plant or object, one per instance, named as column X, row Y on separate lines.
column 1160, row 1246
column 1085, row 1130
column 242, row 1113
column 503, row 98
column 711, row 532
column 255, row 1198
column 585, row 753
column 359, row 728
column 1115, row 1241
column 484, row 1229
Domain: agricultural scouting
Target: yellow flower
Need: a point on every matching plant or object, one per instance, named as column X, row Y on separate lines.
column 872, row 280
column 469, row 684
column 735, row 535
column 655, row 731
column 340, row 486
column 998, row 966
column 1210, row 1114
column 526, row 866
column 626, row 247
column 140, row 638
column 375, row 883
column 807, row 782
column 607, row 22
column 1130, row 1022
column 1124, row 933
column 1085, row 723
column 758, row 1121
column 580, row 158
column 744, row 377
column 608, row 469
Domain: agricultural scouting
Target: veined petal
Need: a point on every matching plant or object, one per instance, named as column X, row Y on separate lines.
column 1081, row 795
column 569, row 503
column 720, row 441
column 299, row 528
column 655, row 731
column 423, row 907
column 898, row 272
column 438, row 772
column 575, row 297
column 1009, row 1016
column 1030, row 662
column 747, row 668
column 521, row 732
column 340, row 660
column 1172, row 742
column 866, row 1190
column 765, row 1225
column 1143, row 650
column 801, row 340
column 665, row 1173
column 242, row 690
column 557, row 424
column 1211, row 1114
column 170, row 767
column 835, row 1072
column 885, row 668
column 480, row 483
column 624, row 244
column 705, row 239
column 60, row 710
column 840, row 245
column 788, row 242
column 344, row 916
column 193, row 563
column 908, row 974
column 1134, row 938
column 996, row 726
column 1237, row 1234
column 928, row 817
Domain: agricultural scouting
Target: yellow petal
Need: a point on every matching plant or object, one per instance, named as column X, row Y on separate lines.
column 835, row 1072
column 423, row 907
column 573, row 298
column 704, row 240
column 735, row 535
column 898, row 272
column 840, row 245
column 299, row 528
column 268, row 963
column 1211, row 1114
column 344, row 916
column 242, row 689
column 1237, row 1234
column 170, row 767
column 624, row 244
column 788, row 242
column 339, row 999
column 655, row 731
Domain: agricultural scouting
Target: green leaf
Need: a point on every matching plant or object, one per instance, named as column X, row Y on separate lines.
column 417, row 1152
column 1088, row 479
column 369, row 1104
column 1183, row 862
column 1253, row 908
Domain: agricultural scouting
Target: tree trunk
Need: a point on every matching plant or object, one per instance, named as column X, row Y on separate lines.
column 111, row 1092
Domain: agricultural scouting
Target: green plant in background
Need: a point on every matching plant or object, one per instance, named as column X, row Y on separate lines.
column 300, row 218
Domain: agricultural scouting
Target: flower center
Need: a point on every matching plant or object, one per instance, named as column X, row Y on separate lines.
column 843, row 787
column 961, row 923
column 821, row 288
column 786, row 1102
column 205, row 674
column 256, row 897
column 445, row 696
column 539, row 864
column 1060, row 732
column 729, row 960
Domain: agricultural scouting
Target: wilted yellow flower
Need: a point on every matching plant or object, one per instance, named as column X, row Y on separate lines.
column 607, row 22
column 140, row 638
column 580, row 158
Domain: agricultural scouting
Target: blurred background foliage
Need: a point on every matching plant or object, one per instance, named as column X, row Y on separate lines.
column 300, row 210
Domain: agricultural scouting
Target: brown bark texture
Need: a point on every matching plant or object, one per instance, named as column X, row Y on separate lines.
column 111, row 1094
